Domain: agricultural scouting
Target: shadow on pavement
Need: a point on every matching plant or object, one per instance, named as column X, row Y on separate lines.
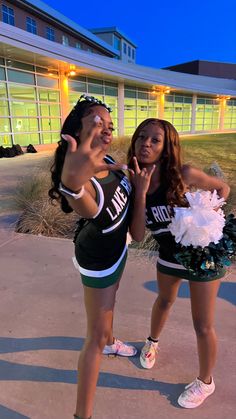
column 10, row 371
column 10, row 414
column 227, row 290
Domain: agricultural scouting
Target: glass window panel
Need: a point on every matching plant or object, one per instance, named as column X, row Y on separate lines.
column 48, row 95
column 55, row 124
column 110, row 84
column 130, row 93
column 188, row 100
column 24, row 124
column 169, row 98
column 143, row 95
column 26, row 139
column 141, row 102
column 55, row 137
column 49, row 110
column 5, row 140
column 79, row 78
column 4, row 110
column 4, row 125
column 186, row 121
column 21, row 66
column 129, row 122
column 142, row 113
column 47, row 82
column 139, row 120
column 20, row 77
column 201, row 101
column 50, row 124
column 177, row 120
column 2, row 74
column 3, row 90
column 77, row 86
column 21, row 92
column 95, row 81
column 23, row 109
column 129, row 131
column 73, row 99
column 43, row 70
column 152, row 96
column 8, row 15
column 1, row 61
column 179, row 99
column 152, row 113
column 95, row 88
column 111, row 91
column 47, row 138
column 130, row 102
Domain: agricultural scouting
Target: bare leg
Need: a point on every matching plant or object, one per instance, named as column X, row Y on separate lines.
column 99, row 303
column 110, row 339
column 168, row 290
column 203, row 298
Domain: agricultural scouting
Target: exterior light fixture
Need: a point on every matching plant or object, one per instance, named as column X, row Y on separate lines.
column 72, row 71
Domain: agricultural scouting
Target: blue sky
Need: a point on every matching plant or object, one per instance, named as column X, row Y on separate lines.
column 166, row 32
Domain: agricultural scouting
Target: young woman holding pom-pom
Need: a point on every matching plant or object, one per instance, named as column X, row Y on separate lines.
column 161, row 182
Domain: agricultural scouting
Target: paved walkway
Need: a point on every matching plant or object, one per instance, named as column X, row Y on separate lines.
column 42, row 326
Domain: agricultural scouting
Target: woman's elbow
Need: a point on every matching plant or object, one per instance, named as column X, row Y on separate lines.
column 138, row 237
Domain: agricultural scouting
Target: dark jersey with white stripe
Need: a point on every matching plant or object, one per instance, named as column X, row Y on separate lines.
column 158, row 216
column 102, row 239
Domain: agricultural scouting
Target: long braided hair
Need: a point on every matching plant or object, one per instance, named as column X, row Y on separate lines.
column 171, row 164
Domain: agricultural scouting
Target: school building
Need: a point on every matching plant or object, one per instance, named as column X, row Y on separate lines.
column 47, row 61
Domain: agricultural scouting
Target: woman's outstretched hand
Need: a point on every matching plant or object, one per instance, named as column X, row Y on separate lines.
column 141, row 178
column 83, row 161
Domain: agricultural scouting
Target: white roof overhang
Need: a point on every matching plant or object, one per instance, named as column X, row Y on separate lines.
column 23, row 46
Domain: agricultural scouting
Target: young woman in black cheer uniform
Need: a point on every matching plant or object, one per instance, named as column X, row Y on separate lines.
column 155, row 146
column 89, row 182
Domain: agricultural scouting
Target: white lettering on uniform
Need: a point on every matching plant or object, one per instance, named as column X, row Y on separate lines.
column 126, row 184
column 147, row 220
column 118, row 203
column 160, row 213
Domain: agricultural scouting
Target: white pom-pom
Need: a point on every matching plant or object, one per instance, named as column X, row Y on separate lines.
column 202, row 222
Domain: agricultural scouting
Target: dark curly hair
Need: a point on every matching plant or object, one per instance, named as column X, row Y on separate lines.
column 171, row 164
column 72, row 126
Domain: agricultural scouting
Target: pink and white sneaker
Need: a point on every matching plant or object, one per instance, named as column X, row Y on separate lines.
column 148, row 354
column 195, row 393
column 119, row 348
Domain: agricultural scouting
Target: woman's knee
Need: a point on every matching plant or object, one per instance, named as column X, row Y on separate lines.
column 165, row 303
column 202, row 329
column 98, row 339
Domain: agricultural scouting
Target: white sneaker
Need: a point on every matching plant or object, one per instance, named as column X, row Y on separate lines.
column 119, row 348
column 195, row 393
column 148, row 354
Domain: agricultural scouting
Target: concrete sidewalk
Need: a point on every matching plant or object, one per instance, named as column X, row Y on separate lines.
column 42, row 327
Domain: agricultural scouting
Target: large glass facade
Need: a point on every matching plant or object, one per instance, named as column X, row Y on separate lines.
column 103, row 90
column 29, row 105
column 139, row 104
column 207, row 114
column 178, row 111
column 230, row 114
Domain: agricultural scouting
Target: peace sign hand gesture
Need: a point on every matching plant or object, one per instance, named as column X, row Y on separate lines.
column 141, row 178
column 83, row 161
